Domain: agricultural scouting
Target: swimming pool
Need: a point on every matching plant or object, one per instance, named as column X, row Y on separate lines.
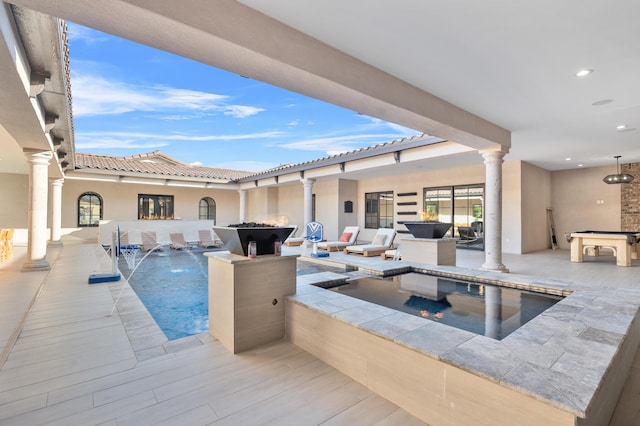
column 483, row 309
column 173, row 286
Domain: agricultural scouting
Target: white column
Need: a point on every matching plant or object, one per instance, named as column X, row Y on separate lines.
column 243, row 205
column 37, row 219
column 308, row 200
column 493, row 210
column 56, row 212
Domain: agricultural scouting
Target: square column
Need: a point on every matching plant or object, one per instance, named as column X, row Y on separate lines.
column 246, row 298
column 431, row 251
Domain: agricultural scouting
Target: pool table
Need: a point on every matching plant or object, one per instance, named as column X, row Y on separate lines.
column 625, row 245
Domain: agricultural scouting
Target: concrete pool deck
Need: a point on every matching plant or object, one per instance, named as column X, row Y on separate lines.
column 74, row 362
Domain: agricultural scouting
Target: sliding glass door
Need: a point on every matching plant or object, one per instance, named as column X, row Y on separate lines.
column 463, row 207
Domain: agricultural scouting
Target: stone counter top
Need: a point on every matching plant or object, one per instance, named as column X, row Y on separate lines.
column 227, row 257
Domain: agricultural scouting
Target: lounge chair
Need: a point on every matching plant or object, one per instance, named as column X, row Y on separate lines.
column 393, row 254
column 467, row 235
column 205, row 240
column 293, row 239
column 348, row 238
column 149, row 241
column 382, row 241
column 124, row 241
column 177, row 241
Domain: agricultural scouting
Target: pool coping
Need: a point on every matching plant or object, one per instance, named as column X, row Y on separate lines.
column 561, row 357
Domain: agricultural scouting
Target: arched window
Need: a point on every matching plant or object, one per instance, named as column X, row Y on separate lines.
column 207, row 210
column 89, row 209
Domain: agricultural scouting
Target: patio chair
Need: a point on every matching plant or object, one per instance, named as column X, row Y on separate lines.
column 6, row 244
column 149, row 241
column 4, row 248
column 293, row 239
column 393, row 254
column 205, row 240
column 124, row 242
column 177, row 241
column 467, row 235
column 382, row 241
column 348, row 238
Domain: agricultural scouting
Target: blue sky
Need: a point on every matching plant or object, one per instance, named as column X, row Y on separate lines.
column 131, row 99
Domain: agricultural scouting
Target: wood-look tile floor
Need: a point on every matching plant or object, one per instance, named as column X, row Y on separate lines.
column 74, row 364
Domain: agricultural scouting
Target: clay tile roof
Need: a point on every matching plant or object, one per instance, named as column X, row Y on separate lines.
column 154, row 163
column 370, row 151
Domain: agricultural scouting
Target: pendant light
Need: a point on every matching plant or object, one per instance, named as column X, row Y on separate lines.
column 618, row 177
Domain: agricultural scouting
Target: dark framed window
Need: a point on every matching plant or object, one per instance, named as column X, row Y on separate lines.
column 207, row 209
column 89, row 209
column 155, row 207
column 378, row 210
column 463, row 207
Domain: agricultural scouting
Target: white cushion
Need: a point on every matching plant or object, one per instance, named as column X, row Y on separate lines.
column 379, row 240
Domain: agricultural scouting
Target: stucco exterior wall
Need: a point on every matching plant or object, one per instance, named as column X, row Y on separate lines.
column 120, row 202
column 14, row 193
column 330, row 197
column 290, row 207
column 413, row 182
column 347, row 191
column 581, row 201
column 262, row 206
column 512, row 207
column 536, row 198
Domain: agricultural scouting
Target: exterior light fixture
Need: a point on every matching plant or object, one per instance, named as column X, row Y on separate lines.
column 618, row 177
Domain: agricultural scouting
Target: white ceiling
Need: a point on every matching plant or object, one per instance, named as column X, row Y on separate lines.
column 510, row 62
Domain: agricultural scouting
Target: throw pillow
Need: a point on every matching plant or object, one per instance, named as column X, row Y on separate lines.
column 345, row 237
column 379, row 240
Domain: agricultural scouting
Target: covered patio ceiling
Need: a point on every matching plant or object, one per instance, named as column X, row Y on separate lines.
column 480, row 74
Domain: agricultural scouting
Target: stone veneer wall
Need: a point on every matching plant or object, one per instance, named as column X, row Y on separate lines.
column 630, row 199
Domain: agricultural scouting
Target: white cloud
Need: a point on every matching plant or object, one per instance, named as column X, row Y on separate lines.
column 113, row 143
column 248, row 166
column 95, row 95
column 179, row 137
column 241, row 111
column 87, row 35
column 376, row 123
column 339, row 144
column 132, row 140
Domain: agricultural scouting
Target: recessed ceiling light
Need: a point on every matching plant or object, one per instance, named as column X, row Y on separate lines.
column 602, row 102
column 568, row 159
column 621, row 127
column 583, row 73
column 580, row 165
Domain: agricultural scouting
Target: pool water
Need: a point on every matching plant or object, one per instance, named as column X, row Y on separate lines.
column 173, row 286
column 482, row 309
